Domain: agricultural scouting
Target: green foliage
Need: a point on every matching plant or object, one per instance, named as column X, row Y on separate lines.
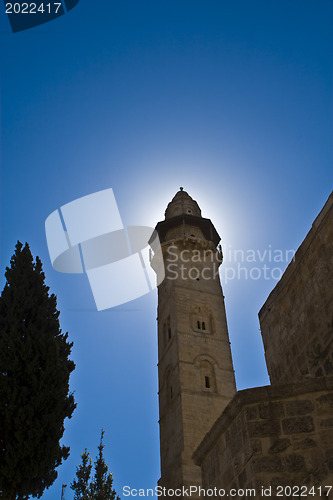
column 100, row 487
column 34, row 381
column 81, row 484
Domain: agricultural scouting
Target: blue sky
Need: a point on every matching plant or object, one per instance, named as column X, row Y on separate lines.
column 233, row 101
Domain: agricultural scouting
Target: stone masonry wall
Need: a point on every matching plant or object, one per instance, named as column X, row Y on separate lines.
column 297, row 319
column 272, row 437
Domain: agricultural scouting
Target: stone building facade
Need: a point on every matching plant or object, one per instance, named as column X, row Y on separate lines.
column 280, row 437
column 272, row 441
column 297, row 318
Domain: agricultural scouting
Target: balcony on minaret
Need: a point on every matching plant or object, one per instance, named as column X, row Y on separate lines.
column 183, row 220
column 184, row 226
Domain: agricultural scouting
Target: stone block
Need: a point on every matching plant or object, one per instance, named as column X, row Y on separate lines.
column 268, row 464
column 328, row 422
column 297, row 425
column 304, row 444
column 279, row 445
column 280, row 481
column 295, row 463
column 299, row 407
column 325, row 403
column 317, row 474
column 271, row 410
column 264, row 428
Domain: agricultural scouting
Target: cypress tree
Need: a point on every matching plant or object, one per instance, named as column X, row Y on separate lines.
column 34, row 381
column 80, row 485
column 100, row 487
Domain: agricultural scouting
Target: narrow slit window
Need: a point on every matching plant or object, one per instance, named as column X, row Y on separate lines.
column 207, row 382
column 199, row 326
column 169, row 333
column 171, row 394
column 203, row 325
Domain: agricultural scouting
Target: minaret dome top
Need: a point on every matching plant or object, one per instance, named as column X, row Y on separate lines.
column 182, row 203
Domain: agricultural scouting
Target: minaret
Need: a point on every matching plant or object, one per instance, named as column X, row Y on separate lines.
column 196, row 376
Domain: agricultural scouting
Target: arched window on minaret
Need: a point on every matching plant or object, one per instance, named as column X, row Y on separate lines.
column 201, row 320
column 207, row 375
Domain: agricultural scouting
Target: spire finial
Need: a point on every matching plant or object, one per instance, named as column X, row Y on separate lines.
column 181, row 188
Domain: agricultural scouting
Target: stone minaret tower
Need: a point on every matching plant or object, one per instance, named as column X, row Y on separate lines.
column 196, row 376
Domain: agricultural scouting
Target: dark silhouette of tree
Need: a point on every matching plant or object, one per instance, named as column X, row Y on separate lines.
column 34, row 381
column 100, row 487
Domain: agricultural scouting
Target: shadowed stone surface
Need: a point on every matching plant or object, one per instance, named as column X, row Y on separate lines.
column 295, row 450
column 282, row 435
column 296, row 320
